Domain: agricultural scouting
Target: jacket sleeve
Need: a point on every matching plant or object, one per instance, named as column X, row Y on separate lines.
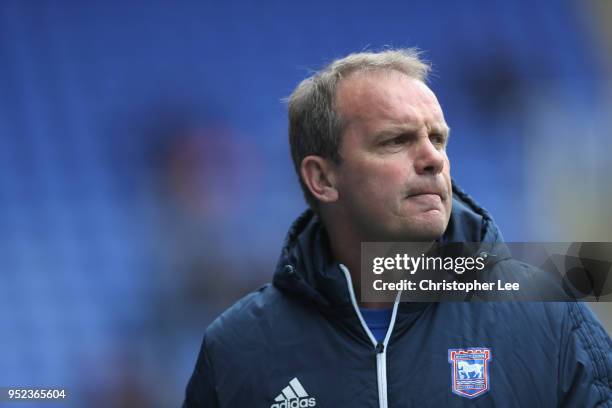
column 585, row 370
column 200, row 391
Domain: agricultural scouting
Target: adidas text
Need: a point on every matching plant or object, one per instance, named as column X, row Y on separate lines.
column 296, row 403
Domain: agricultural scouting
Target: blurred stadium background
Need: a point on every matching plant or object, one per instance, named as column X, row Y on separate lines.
column 145, row 179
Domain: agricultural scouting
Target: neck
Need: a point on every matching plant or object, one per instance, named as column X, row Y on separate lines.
column 346, row 248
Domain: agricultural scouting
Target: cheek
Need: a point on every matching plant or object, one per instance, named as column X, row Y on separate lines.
column 377, row 182
column 382, row 177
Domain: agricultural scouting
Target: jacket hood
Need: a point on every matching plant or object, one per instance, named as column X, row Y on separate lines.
column 308, row 270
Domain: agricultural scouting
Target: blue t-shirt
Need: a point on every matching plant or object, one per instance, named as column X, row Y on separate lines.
column 378, row 321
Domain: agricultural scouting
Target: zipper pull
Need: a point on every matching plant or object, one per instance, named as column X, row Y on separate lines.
column 380, row 347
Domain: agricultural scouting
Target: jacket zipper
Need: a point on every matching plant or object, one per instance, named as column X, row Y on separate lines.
column 380, row 348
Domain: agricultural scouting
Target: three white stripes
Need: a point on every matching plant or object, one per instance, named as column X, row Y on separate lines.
column 292, row 391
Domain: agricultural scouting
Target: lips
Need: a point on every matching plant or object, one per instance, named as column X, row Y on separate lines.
column 426, row 198
column 424, row 193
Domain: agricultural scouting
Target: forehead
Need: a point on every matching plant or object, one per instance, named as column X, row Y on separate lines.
column 376, row 98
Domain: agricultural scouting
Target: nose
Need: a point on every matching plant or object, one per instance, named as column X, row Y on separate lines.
column 429, row 158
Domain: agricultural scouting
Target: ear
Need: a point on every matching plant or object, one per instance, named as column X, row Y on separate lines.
column 319, row 176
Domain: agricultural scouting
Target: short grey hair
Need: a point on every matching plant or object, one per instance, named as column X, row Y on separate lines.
column 315, row 127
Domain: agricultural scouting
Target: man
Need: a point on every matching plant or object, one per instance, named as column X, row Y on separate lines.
column 368, row 140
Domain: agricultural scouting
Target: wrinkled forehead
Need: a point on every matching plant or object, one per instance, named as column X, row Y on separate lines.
column 387, row 95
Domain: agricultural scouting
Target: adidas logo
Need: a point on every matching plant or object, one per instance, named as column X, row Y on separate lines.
column 294, row 396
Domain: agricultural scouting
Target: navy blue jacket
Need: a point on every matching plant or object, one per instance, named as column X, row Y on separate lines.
column 301, row 342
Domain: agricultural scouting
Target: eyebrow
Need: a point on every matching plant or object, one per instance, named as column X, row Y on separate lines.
column 440, row 128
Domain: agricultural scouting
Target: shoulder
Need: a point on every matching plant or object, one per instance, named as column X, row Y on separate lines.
column 233, row 345
column 550, row 322
column 246, row 314
column 583, row 332
column 258, row 319
column 569, row 327
column 585, row 366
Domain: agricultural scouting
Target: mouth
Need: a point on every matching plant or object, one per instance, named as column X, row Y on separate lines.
column 426, row 194
column 425, row 200
column 426, row 197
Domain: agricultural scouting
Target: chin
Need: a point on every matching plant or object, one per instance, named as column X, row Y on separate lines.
column 412, row 233
column 427, row 230
column 422, row 227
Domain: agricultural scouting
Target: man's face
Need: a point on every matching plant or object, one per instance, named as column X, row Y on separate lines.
column 394, row 179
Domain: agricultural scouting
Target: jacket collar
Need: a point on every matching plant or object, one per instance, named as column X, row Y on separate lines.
column 307, row 269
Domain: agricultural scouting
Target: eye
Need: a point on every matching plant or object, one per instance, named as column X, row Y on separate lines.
column 395, row 141
column 438, row 139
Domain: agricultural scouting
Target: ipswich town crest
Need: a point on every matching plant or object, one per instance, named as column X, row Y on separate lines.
column 470, row 371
